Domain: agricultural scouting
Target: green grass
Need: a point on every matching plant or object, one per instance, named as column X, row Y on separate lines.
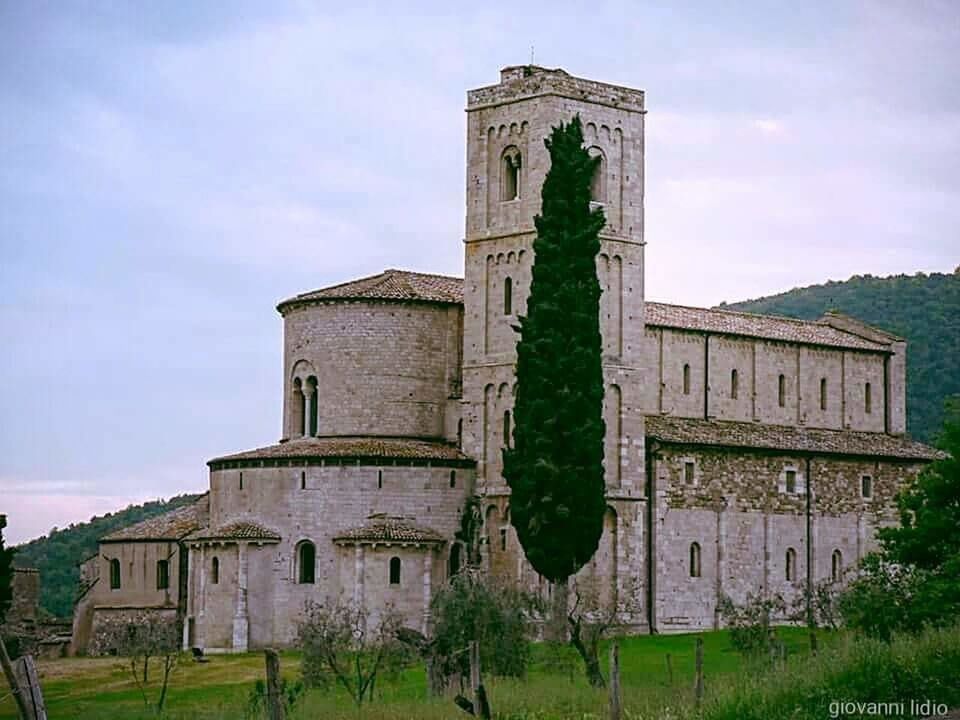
column 87, row 688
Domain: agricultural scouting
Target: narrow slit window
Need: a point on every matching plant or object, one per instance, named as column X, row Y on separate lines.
column 215, row 571
column 867, row 399
column 506, row 428
column 453, row 478
column 303, row 480
column 379, row 479
column 836, row 566
column 695, row 560
column 503, row 539
column 299, row 408
column 163, row 574
column 791, row 481
column 823, row 393
column 686, row 379
column 313, row 405
column 689, row 470
column 508, row 296
column 460, row 432
column 782, row 391
column 114, row 574
column 866, row 486
column 734, row 384
column 394, row 571
column 791, row 565
column 241, row 480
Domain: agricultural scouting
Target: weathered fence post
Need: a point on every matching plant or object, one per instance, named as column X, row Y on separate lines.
column 813, row 643
column 615, row 681
column 475, row 672
column 670, row 669
column 274, row 694
column 26, row 672
column 12, row 680
column 698, row 686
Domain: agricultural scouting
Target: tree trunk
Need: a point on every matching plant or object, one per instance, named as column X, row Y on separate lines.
column 556, row 629
column 588, row 652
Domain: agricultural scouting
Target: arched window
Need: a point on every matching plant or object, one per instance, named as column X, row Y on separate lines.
column 506, row 428
column 312, row 404
column 453, row 566
column 299, row 408
column 114, row 574
column 782, row 391
column 686, row 379
column 508, row 296
column 306, row 563
column 453, row 478
column 791, row 565
column 215, row 571
column 867, row 399
column 734, row 384
column 598, row 181
column 694, row 560
column 836, row 566
column 823, row 393
column 163, row 574
column 394, row 571
column 510, row 174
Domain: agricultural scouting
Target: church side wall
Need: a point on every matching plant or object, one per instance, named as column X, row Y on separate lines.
column 738, row 509
column 138, row 574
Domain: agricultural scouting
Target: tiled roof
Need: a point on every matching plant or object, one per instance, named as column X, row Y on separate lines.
column 352, row 447
column 239, row 530
column 386, row 529
column 396, row 285
column 173, row 525
column 689, row 431
column 769, row 327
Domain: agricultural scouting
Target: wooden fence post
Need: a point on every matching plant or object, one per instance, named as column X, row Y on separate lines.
column 670, row 669
column 274, row 694
column 615, row 681
column 13, row 682
column 26, row 671
column 813, row 643
column 698, row 687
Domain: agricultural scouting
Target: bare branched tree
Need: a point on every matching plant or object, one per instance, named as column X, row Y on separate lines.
column 153, row 638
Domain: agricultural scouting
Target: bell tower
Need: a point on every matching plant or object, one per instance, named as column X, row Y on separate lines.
column 507, row 162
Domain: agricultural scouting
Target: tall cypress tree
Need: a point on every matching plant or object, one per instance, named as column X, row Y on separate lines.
column 555, row 467
column 6, row 573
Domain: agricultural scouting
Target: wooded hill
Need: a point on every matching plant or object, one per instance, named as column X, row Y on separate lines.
column 923, row 309
column 57, row 556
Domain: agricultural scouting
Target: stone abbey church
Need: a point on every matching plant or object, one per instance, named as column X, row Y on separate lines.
column 743, row 453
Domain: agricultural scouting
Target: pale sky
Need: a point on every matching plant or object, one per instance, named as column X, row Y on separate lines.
column 169, row 171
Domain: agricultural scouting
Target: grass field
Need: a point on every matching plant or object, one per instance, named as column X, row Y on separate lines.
column 86, row 688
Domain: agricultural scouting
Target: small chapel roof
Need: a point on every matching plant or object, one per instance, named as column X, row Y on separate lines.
column 238, row 530
column 352, row 448
column 721, row 433
column 393, row 285
column 386, row 529
column 770, row 327
column 172, row 525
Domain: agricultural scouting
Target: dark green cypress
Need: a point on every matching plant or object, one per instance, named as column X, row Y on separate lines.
column 6, row 573
column 555, row 467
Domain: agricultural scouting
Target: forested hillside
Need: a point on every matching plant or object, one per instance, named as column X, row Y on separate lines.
column 924, row 309
column 58, row 554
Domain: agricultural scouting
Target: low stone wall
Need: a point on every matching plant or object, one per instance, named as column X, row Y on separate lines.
column 107, row 621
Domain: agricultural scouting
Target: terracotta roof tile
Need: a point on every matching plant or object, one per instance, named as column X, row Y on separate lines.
column 172, row 525
column 386, row 529
column 239, row 530
column 769, row 327
column 689, row 431
column 395, row 285
column 353, row 447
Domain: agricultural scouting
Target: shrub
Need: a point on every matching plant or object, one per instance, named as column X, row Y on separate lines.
column 751, row 628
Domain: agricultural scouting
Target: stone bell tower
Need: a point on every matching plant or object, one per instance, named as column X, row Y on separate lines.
column 507, row 162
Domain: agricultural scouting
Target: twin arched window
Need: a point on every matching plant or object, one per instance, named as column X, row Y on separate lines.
column 306, row 563
column 695, row 560
column 394, row 570
column 510, row 174
column 114, row 574
column 598, row 181
column 305, row 406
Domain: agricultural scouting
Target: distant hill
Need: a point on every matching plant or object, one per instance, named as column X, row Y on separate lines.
column 58, row 554
column 923, row 309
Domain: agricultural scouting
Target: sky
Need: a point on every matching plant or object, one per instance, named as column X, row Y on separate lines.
column 170, row 171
